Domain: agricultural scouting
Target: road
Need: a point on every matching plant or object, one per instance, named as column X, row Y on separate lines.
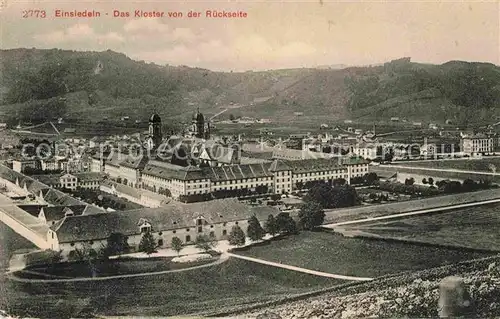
column 303, row 270
column 412, row 213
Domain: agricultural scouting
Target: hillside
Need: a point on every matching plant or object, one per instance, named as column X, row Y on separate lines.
column 37, row 85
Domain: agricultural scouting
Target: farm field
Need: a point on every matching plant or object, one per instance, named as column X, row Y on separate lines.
column 333, row 253
column 437, row 173
column 476, row 227
column 235, row 282
column 479, row 165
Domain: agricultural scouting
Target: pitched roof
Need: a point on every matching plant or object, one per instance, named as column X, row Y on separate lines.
column 279, row 165
column 170, row 217
column 48, row 179
column 170, row 171
column 53, row 213
column 33, row 210
column 135, row 162
column 88, row 176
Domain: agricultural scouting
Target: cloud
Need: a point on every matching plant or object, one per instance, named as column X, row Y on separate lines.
column 183, row 34
column 79, row 33
column 145, row 25
column 245, row 52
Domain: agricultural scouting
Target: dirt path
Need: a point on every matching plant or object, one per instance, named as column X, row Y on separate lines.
column 303, row 270
column 11, row 276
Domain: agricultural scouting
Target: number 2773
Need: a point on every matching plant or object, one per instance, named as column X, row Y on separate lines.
column 34, row 14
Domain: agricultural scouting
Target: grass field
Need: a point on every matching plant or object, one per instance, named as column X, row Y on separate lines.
column 235, row 282
column 336, row 254
column 479, row 165
column 476, row 227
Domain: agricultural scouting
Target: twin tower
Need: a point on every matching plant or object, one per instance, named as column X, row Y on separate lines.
column 198, row 129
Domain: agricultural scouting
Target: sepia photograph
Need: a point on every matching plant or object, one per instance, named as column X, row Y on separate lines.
column 280, row 159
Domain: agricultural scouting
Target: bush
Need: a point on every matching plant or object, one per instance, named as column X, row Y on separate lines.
column 237, row 236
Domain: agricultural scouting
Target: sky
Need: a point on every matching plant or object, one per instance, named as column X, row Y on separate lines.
column 275, row 34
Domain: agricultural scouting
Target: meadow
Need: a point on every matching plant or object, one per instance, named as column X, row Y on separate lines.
column 334, row 253
column 476, row 227
column 233, row 283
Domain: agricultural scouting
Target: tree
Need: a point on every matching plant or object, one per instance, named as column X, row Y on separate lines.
column 231, row 117
column 299, row 185
column 147, row 243
column 205, row 242
column 176, row 244
column 409, row 181
column 237, row 236
column 116, row 245
column 255, row 230
column 311, row 215
column 275, row 197
column 452, row 187
column 321, row 194
column 271, row 226
column 344, row 196
column 85, row 252
column 424, row 181
column 468, row 185
column 286, row 224
column 430, row 181
column 371, row 178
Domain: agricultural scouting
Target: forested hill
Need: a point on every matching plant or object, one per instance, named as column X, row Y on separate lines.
column 37, row 85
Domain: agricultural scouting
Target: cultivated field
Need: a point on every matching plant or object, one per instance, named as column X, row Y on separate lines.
column 479, row 165
column 336, row 254
column 476, row 227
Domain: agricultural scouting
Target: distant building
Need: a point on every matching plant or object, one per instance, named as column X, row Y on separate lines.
column 368, row 151
column 395, row 119
column 20, row 165
column 477, row 144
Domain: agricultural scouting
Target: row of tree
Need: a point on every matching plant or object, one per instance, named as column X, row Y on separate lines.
column 332, row 196
column 96, row 197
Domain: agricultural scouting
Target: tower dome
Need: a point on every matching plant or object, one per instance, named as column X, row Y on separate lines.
column 155, row 118
column 200, row 117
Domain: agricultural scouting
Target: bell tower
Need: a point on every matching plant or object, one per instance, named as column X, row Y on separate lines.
column 155, row 135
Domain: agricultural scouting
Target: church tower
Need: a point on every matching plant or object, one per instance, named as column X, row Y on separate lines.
column 155, row 136
column 199, row 124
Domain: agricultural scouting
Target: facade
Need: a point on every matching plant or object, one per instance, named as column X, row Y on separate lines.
column 279, row 176
column 368, row 151
column 71, row 181
column 184, row 221
column 138, row 196
column 477, row 144
column 21, row 165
